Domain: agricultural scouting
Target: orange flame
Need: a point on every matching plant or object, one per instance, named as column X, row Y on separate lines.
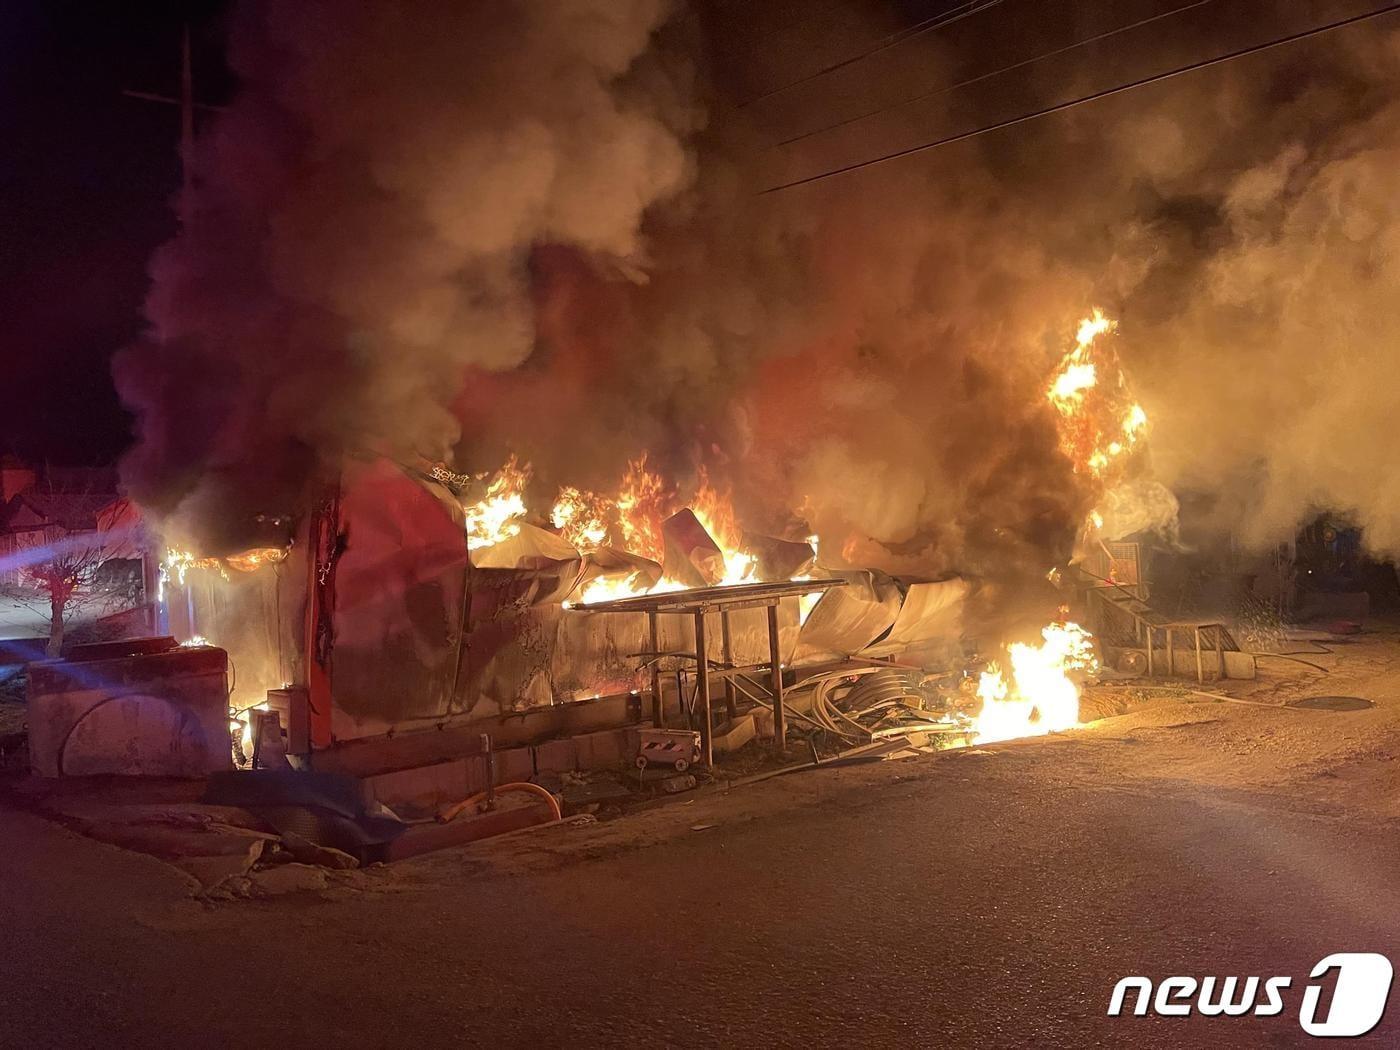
column 606, row 588
column 581, row 517
column 179, row 562
column 641, row 507
column 632, row 521
column 497, row 516
column 1099, row 423
column 715, row 511
column 256, row 558
column 1040, row 698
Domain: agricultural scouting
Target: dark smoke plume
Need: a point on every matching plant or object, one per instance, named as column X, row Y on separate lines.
column 461, row 230
column 363, row 231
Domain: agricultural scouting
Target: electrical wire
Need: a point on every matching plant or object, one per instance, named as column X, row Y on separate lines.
column 935, row 92
column 1289, row 656
column 1061, row 107
column 947, row 18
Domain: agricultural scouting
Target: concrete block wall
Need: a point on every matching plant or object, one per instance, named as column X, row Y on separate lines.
column 440, row 784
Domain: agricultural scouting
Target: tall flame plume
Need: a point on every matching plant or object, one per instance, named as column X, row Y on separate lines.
column 1040, row 696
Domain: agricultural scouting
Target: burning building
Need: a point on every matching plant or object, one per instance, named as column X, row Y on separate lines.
column 478, row 318
column 418, row 598
column 401, row 603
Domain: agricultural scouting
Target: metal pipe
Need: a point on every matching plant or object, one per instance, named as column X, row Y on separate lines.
column 776, row 681
column 490, row 767
column 702, row 689
column 658, row 716
column 727, row 651
column 681, row 701
column 463, row 619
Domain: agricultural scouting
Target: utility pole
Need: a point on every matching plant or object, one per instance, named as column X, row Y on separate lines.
column 187, row 106
column 186, row 126
column 150, row 581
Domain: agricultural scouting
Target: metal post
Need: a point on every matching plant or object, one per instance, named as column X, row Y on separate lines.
column 727, row 643
column 490, row 754
column 1200, row 666
column 683, row 703
column 186, row 201
column 702, row 692
column 776, row 681
column 658, row 716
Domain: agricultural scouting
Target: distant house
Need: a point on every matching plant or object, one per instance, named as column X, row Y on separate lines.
column 15, row 477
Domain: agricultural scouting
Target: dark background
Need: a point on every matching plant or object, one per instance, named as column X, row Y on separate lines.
column 88, row 178
column 88, row 175
column 86, row 185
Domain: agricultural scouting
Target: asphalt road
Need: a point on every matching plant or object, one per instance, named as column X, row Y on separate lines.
column 978, row 901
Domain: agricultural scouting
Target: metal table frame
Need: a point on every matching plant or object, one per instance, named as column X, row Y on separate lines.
column 697, row 604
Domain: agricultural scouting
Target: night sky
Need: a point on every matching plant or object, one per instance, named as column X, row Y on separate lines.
column 88, row 174
column 85, row 193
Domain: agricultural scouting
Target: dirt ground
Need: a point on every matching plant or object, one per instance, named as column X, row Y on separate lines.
column 1319, row 761
column 984, row 897
column 1308, row 759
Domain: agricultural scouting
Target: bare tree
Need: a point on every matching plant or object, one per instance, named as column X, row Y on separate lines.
column 79, row 563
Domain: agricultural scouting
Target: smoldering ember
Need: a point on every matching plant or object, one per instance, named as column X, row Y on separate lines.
column 572, row 522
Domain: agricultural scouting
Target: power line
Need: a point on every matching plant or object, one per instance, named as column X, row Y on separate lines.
column 150, row 96
column 946, row 18
column 1096, row 96
column 994, row 73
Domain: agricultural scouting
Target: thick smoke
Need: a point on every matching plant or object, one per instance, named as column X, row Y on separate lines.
column 866, row 361
column 1274, row 360
column 362, row 232
column 473, row 229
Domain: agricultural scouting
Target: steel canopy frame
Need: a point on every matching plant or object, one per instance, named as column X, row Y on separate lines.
column 723, row 600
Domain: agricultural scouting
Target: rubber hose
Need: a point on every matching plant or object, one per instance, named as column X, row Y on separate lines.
column 451, row 811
